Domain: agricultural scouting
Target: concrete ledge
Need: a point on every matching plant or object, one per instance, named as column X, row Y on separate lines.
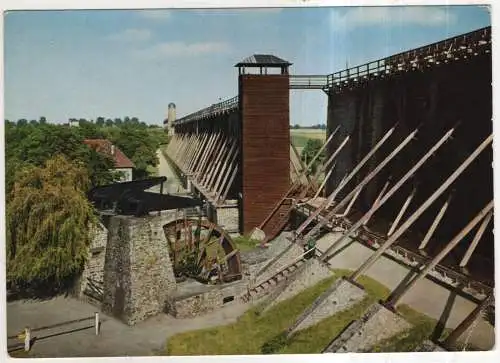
column 376, row 325
column 341, row 295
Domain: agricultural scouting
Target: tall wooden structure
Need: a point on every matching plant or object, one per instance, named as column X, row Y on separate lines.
column 265, row 138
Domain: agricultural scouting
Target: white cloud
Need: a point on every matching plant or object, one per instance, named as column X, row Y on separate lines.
column 131, row 35
column 390, row 16
column 160, row 14
column 181, row 49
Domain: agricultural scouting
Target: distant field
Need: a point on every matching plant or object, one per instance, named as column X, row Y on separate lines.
column 300, row 136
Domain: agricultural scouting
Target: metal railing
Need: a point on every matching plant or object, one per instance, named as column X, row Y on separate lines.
column 451, row 49
column 308, row 81
column 213, row 110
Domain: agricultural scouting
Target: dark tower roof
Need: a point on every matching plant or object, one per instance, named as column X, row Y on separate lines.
column 263, row 60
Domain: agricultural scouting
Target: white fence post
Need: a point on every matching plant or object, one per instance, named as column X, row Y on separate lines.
column 96, row 323
column 27, row 339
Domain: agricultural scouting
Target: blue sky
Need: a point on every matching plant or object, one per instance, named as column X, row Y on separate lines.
column 116, row 63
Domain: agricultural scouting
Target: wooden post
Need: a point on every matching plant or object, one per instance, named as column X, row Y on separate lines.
column 27, row 339
column 371, row 260
column 363, row 220
column 401, row 212
column 476, row 240
column 439, row 257
column 434, row 225
column 97, row 322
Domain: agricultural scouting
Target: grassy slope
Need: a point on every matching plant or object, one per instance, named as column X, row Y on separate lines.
column 253, row 334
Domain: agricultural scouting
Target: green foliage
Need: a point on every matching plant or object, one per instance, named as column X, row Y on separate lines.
column 310, row 150
column 48, row 221
column 34, row 144
column 244, row 243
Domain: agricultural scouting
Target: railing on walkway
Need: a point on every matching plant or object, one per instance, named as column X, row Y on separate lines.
column 308, row 81
column 213, row 110
column 27, row 339
column 451, row 49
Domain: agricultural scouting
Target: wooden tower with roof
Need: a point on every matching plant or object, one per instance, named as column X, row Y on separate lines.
column 265, row 136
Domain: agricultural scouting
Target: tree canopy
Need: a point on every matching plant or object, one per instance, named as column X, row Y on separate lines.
column 310, row 150
column 48, row 220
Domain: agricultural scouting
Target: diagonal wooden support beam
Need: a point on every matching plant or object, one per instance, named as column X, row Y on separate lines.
column 214, row 159
column 452, row 339
column 203, row 167
column 303, row 171
column 332, row 195
column 435, row 223
column 475, row 241
column 229, row 184
column 365, row 181
column 200, row 154
column 229, row 173
column 194, row 152
column 371, row 260
column 351, row 203
column 332, row 157
column 377, row 200
column 327, row 176
column 363, row 162
column 387, row 195
column 232, row 151
column 222, row 152
column 394, row 299
column 199, row 149
column 405, row 206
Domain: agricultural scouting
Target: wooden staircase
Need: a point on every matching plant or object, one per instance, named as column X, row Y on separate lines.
column 263, row 287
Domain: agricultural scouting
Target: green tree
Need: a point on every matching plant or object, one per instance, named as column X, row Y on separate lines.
column 310, row 150
column 48, row 224
column 100, row 121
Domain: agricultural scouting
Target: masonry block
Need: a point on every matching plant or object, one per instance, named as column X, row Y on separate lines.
column 307, row 275
column 376, row 325
column 341, row 295
column 138, row 273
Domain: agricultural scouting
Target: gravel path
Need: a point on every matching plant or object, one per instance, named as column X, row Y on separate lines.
column 115, row 339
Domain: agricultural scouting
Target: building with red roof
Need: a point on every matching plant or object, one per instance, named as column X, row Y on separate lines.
column 122, row 162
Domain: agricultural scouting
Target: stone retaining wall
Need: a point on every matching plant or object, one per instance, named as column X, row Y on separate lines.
column 138, row 273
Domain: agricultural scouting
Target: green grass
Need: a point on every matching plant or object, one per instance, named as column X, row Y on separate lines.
column 249, row 333
column 245, row 244
column 254, row 334
column 264, row 334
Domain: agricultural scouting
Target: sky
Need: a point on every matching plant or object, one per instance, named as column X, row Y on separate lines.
column 117, row 63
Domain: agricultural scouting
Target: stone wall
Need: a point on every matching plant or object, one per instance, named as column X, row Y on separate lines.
column 199, row 303
column 138, row 273
column 227, row 216
column 94, row 267
column 312, row 272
